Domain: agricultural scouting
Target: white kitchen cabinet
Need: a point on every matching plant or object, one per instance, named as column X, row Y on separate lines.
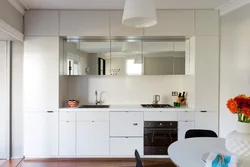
column 183, row 127
column 206, row 22
column 118, row 29
column 92, row 138
column 67, row 116
column 89, row 116
column 160, row 116
column 207, row 120
column 41, row 22
column 172, row 23
column 126, row 124
column 206, row 73
column 186, row 116
column 179, row 46
column 125, row 146
column 40, row 134
column 84, row 23
column 41, row 74
column 67, row 138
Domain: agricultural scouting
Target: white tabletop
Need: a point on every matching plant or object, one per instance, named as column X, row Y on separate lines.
column 188, row 152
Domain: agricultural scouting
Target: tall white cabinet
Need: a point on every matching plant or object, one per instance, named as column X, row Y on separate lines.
column 40, row 96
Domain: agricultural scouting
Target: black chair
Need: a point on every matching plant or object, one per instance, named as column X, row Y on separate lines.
column 200, row 133
column 138, row 159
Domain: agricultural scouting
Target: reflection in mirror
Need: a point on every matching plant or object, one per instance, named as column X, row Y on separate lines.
column 164, row 57
column 87, row 57
column 126, row 57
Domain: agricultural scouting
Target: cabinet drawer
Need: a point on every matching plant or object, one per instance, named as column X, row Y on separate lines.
column 126, row 124
column 126, row 146
column 186, row 116
column 183, row 127
column 89, row 116
column 160, row 116
column 67, row 116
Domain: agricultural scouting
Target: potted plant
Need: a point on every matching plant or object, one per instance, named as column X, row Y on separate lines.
column 238, row 141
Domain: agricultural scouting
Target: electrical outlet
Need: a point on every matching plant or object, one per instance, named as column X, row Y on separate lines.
column 174, row 93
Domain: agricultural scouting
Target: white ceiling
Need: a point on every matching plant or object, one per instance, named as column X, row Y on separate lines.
column 5, row 36
column 119, row 4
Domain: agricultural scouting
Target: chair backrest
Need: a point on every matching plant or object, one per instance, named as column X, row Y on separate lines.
column 200, row 133
column 138, row 159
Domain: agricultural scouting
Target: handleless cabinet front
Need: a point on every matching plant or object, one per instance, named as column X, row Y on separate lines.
column 125, row 124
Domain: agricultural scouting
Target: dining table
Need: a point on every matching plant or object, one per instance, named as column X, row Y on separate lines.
column 189, row 152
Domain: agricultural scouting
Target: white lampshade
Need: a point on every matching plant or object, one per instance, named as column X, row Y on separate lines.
column 139, row 13
column 131, row 47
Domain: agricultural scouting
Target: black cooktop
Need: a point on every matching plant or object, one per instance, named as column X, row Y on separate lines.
column 157, row 106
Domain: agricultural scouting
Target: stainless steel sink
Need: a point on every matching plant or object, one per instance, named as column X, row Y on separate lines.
column 94, row 106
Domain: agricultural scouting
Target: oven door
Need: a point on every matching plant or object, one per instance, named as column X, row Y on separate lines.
column 157, row 140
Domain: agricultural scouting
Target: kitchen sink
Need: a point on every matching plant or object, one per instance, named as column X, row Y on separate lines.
column 94, row 106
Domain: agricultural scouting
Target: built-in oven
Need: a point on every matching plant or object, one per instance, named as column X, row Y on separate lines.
column 158, row 136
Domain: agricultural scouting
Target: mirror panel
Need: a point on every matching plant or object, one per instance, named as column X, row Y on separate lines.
column 125, row 57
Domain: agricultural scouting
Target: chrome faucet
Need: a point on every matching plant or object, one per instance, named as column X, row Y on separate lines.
column 96, row 99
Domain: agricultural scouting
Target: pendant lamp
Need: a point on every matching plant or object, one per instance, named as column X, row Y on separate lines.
column 139, row 13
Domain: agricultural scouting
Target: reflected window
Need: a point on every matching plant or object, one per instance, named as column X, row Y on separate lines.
column 132, row 68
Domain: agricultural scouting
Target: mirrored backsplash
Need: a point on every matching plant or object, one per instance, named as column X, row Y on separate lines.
column 125, row 57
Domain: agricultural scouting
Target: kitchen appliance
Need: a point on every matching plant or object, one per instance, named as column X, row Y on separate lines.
column 158, row 136
column 157, row 106
column 156, row 99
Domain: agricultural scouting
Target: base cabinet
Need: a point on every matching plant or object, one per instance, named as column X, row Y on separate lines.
column 67, row 139
column 40, row 134
column 125, row 146
column 92, row 138
column 183, row 127
column 207, row 120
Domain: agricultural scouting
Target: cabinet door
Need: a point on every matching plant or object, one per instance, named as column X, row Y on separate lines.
column 41, row 74
column 160, row 116
column 172, row 23
column 84, row 23
column 206, row 73
column 67, row 138
column 40, row 134
column 183, row 127
column 118, row 29
column 207, row 120
column 126, row 124
column 41, row 22
column 126, row 146
column 206, row 22
column 92, row 138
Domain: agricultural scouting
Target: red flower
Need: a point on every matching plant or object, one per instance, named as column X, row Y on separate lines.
column 232, row 106
column 246, row 112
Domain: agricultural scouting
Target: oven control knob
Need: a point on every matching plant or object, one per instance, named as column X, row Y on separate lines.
column 160, row 124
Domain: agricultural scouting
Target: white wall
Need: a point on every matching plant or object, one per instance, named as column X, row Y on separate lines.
column 10, row 15
column 234, row 63
column 17, row 96
column 126, row 89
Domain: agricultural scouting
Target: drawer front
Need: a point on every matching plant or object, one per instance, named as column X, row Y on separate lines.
column 126, row 146
column 69, row 116
column 160, row 116
column 126, row 124
column 186, row 116
column 92, row 116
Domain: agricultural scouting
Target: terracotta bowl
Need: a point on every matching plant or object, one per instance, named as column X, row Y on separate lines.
column 72, row 103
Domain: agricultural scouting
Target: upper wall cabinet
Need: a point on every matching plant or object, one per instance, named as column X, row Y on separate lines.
column 206, row 22
column 118, row 29
column 84, row 23
column 41, row 22
column 172, row 23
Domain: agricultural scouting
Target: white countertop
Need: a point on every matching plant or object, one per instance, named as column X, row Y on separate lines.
column 126, row 108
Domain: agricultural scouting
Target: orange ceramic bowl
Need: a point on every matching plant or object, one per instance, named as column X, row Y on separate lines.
column 72, row 103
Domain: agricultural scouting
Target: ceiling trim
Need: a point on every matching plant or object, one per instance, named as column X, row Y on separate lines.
column 231, row 6
column 11, row 31
column 25, row 4
column 18, row 6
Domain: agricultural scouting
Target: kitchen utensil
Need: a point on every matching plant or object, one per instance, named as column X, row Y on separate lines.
column 72, row 103
column 156, row 99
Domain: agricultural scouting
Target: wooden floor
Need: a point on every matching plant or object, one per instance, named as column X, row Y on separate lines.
column 95, row 163
column 2, row 162
column 12, row 163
